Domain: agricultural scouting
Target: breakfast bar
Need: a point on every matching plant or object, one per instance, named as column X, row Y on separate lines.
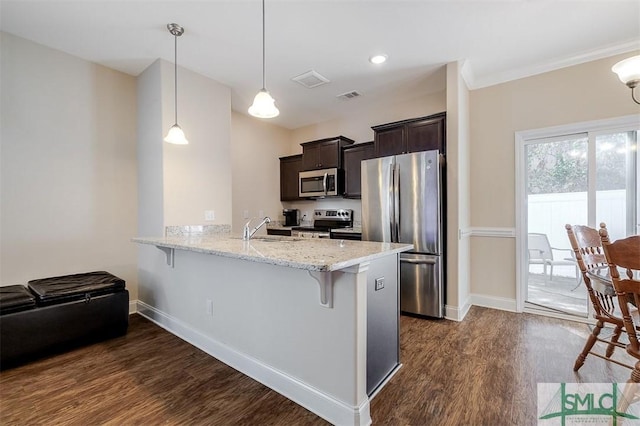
column 314, row 319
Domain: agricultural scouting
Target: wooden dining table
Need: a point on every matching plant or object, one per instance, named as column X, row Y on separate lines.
column 601, row 281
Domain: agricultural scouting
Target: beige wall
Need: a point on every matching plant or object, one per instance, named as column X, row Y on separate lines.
column 197, row 176
column 68, row 166
column 579, row 93
column 256, row 146
column 357, row 125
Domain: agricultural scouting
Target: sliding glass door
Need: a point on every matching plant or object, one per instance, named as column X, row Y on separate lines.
column 556, row 194
column 616, row 183
column 575, row 177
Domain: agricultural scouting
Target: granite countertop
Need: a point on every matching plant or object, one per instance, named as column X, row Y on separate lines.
column 312, row 254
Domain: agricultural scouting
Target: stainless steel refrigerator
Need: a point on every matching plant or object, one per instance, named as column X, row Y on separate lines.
column 402, row 202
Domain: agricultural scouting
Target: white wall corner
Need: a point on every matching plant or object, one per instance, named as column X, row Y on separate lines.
column 467, row 73
column 494, row 302
column 457, row 313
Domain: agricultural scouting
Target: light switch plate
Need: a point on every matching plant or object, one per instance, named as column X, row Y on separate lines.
column 209, row 215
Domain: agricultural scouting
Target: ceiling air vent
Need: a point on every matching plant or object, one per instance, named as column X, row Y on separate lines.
column 348, row 95
column 311, row 79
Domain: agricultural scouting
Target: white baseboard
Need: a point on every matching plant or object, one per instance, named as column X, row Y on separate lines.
column 457, row 313
column 501, row 303
column 322, row 404
column 133, row 306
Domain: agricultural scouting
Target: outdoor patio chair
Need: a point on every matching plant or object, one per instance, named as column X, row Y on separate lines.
column 541, row 253
column 589, row 255
column 623, row 258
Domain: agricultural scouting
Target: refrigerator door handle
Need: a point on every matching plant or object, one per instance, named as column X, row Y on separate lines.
column 419, row 262
column 392, row 204
column 396, row 200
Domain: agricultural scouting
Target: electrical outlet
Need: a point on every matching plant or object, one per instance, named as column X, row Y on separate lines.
column 245, row 214
column 209, row 215
column 209, row 307
column 379, row 283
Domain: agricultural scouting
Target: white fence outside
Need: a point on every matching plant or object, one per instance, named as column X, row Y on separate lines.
column 549, row 213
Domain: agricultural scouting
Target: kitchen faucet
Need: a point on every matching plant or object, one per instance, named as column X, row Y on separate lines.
column 248, row 233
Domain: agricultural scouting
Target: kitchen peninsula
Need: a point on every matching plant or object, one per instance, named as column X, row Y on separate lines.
column 315, row 320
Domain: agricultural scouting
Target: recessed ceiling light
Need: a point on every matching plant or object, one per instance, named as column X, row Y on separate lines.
column 378, row 59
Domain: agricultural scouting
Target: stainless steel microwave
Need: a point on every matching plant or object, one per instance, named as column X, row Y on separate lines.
column 319, row 183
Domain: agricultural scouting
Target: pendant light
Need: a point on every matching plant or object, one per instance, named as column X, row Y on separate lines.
column 175, row 134
column 628, row 72
column 263, row 104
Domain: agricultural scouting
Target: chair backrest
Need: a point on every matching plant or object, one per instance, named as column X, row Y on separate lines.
column 589, row 254
column 586, row 245
column 539, row 247
column 624, row 255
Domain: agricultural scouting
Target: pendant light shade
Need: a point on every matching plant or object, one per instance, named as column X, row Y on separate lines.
column 175, row 134
column 628, row 71
column 264, row 106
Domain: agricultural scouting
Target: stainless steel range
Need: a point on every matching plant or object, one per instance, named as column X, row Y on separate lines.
column 324, row 220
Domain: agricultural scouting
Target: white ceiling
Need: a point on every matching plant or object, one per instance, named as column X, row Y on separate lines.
column 499, row 40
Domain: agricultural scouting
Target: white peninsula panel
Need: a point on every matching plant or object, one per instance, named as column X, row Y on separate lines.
column 257, row 306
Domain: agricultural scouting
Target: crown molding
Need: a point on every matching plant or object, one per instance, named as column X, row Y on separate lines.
column 475, row 82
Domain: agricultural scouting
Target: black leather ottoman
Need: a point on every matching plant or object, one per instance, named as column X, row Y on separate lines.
column 70, row 310
column 15, row 298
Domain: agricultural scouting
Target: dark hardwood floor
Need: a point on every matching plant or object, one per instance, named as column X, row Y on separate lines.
column 482, row 371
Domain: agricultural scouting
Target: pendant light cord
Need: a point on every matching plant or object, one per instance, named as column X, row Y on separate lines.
column 264, row 86
column 175, row 75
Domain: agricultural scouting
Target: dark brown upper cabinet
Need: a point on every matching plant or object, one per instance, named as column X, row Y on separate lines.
column 290, row 167
column 418, row 134
column 351, row 157
column 324, row 153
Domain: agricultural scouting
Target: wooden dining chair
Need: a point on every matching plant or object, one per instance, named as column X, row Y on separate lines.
column 623, row 257
column 590, row 257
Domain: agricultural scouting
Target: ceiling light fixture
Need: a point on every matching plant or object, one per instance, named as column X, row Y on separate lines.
column 628, row 71
column 378, row 59
column 264, row 106
column 175, row 134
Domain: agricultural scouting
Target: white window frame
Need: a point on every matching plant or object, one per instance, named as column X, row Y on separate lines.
column 523, row 138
